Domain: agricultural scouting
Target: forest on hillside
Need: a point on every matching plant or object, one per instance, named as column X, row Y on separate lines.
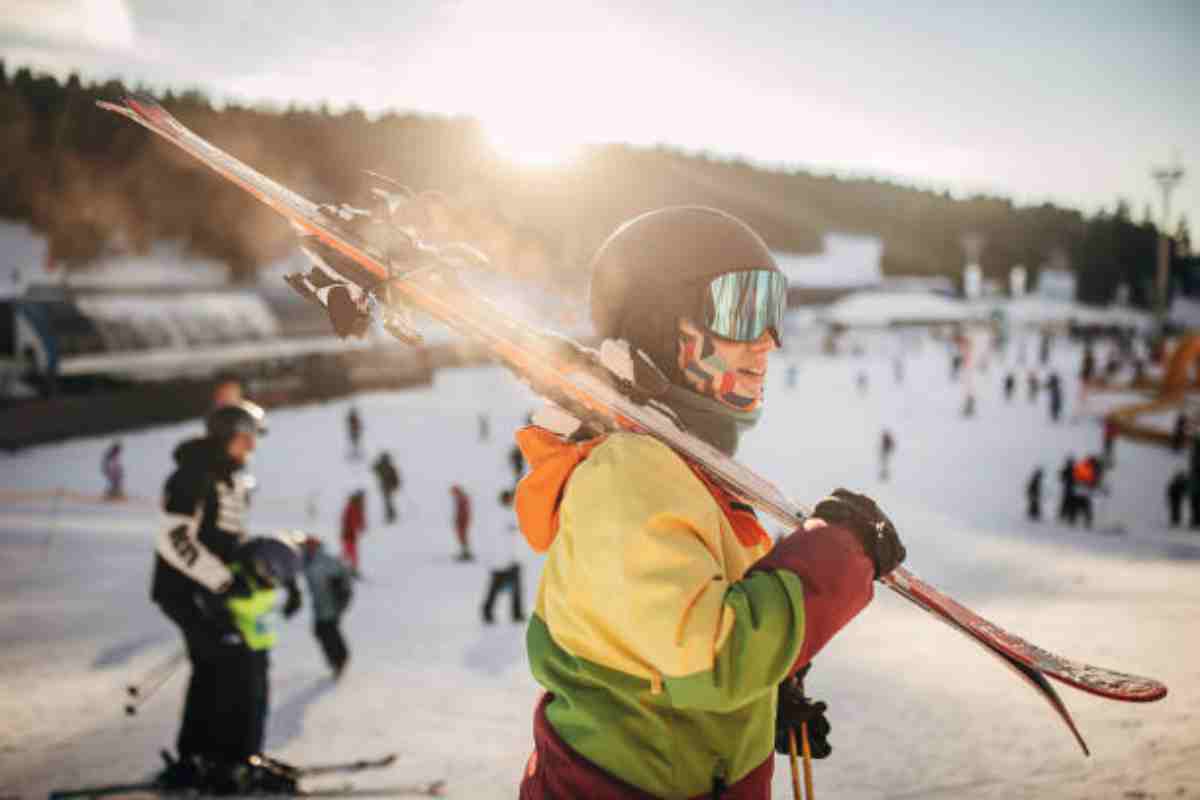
column 94, row 183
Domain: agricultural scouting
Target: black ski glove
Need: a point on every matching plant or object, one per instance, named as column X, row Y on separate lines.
column 860, row 515
column 293, row 600
column 796, row 709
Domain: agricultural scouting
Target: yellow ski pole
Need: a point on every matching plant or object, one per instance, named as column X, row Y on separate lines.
column 795, row 766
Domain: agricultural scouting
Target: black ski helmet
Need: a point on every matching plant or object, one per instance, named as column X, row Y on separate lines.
column 653, row 270
column 243, row 416
column 273, row 559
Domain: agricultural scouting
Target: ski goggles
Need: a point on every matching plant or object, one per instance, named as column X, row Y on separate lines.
column 742, row 306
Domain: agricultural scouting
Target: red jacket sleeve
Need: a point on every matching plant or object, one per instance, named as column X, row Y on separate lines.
column 837, row 578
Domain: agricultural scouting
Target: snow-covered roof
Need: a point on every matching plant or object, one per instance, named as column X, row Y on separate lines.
column 870, row 308
column 846, row 260
column 23, row 264
column 1039, row 309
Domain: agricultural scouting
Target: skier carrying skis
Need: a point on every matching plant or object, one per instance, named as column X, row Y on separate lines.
column 665, row 619
column 210, row 581
column 329, row 590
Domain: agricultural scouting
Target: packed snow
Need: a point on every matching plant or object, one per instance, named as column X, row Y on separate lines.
column 917, row 711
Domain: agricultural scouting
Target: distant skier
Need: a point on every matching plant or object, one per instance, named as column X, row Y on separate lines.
column 1087, row 370
column 114, row 473
column 1034, row 386
column 517, row 461
column 330, row 588
column 1044, row 347
column 1033, row 493
column 661, row 595
column 969, row 405
column 354, row 431
column 462, row 522
column 1066, row 479
column 389, row 484
column 898, row 369
column 1010, row 385
column 1176, row 490
column 354, row 525
column 1194, row 479
column 1054, row 387
column 861, row 381
column 1179, row 434
column 887, row 445
column 485, row 427
column 504, row 571
column 1110, row 439
column 1088, row 474
column 216, row 586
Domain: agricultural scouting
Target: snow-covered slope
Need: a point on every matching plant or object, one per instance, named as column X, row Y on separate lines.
column 917, row 711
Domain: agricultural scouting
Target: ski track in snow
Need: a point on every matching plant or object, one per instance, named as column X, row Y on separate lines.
column 917, row 711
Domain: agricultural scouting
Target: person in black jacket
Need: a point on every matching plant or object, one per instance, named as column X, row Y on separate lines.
column 200, row 577
column 1033, row 493
column 1177, row 489
column 389, row 483
column 1067, row 504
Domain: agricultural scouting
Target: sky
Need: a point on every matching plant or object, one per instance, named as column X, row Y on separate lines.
column 1068, row 102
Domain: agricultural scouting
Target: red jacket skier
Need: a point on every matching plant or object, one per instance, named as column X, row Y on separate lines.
column 354, row 523
column 462, row 521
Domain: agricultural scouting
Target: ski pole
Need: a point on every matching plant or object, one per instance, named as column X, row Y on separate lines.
column 807, row 751
column 155, row 679
column 795, row 767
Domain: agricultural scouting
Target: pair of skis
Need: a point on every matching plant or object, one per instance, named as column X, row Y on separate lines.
column 417, row 275
column 297, row 773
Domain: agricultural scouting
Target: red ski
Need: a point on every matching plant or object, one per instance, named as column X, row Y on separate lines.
column 427, row 278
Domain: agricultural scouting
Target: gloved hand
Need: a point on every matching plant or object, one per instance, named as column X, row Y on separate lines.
column 860, row 515
column 796, row 709
column 292, row 605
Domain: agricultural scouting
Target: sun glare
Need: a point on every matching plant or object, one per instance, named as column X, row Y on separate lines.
column 528, row 144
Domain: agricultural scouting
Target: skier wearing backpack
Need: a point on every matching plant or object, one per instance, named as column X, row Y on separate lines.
column 217, row 585
column 666, row 622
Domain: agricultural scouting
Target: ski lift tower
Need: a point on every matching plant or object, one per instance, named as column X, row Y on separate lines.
column 1167, row 179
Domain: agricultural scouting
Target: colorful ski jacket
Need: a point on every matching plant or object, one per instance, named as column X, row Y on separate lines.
column 253, row 613
column 664, row 620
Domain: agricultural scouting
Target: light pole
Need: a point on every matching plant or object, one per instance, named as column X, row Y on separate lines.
column 1167, row 178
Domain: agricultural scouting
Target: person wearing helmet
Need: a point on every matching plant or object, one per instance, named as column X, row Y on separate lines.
column 209, row 581
column 667, row 626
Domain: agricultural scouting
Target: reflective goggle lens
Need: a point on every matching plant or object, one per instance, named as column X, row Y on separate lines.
column 743, row 305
